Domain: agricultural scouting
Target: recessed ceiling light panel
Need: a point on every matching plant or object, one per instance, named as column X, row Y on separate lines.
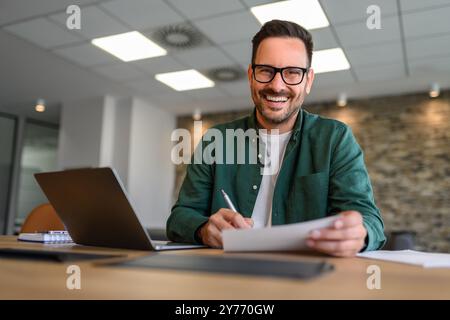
column 307, row 13
column 329, row 60
column 185, row 80
column 129, row 46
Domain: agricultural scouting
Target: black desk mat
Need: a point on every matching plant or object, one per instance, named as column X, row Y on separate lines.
column 230, row 265
column 53, row 255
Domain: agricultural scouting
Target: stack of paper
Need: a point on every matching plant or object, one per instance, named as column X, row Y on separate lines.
column 289, row 237
column 423, row 259
column 47, row 237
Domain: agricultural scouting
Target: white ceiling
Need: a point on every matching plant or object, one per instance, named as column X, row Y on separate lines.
column 410, row 51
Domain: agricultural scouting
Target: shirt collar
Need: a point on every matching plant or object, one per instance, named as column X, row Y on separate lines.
column 252, row 123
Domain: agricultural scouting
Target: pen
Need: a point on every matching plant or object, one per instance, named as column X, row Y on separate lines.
column 228, row 201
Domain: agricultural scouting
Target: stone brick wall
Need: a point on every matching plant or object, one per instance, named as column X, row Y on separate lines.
column 406, row 143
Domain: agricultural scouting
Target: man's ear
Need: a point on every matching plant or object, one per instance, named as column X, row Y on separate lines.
column 250, row 73
column 309, row 80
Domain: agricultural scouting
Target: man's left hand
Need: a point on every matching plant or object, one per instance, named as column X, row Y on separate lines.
column 344, row 239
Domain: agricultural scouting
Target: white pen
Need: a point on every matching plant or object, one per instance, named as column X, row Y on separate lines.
column 228, row 201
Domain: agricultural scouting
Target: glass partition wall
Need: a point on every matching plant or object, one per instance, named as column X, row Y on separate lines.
column 27, row 147
column 7, row 138
column 39, row 154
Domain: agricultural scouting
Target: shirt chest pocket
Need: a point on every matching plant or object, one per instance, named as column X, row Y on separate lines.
column 308, row 197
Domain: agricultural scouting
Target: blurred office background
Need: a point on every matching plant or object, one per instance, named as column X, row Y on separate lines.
column 66, row 103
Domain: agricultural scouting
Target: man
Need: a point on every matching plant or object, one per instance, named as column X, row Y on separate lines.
column 322, row 168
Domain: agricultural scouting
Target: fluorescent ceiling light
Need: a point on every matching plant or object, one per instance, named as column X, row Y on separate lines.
column 129, row 46
column 329, row 60
column 185, row 80
column 307, row 13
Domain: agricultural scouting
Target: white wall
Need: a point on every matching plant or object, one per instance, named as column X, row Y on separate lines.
column 151, row 174
column 116, row 135
column 80, row 133
column 129, row 135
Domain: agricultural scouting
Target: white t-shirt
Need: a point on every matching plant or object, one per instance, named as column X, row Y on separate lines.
column 262, row 212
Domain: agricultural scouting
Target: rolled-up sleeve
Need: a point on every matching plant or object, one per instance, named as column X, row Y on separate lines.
column 351, row 189
column 192, row 208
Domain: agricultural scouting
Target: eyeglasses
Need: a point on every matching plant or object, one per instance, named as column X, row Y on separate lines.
column 290, row 75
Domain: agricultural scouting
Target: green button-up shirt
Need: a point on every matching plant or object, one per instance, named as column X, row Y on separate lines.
column 322, row 173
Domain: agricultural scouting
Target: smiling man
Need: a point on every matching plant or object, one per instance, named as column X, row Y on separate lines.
column 321, row 168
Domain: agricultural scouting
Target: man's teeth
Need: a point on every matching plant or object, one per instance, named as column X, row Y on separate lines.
column 277, row 99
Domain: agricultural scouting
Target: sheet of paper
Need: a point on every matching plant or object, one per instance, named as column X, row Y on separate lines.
column 423, row 259
column 289, row 237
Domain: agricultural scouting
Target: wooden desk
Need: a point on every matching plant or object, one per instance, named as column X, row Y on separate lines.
column 26, row 279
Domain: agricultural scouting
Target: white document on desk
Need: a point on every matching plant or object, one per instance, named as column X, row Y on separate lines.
column 423, row 259
column 288, row 237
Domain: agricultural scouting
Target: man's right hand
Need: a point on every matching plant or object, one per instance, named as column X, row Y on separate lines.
column 211, row 232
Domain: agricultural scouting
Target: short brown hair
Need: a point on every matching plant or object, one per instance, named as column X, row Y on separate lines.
column 281, row 28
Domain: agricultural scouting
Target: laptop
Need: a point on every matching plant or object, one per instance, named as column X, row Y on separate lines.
column 96, row 210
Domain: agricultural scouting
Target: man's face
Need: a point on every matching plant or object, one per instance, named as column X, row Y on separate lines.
column 280, row 53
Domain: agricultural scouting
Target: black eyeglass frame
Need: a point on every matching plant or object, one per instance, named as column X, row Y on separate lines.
column 280, row 70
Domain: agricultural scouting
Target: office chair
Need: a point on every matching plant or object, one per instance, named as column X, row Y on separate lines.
column 400, row 240
column 42, row 218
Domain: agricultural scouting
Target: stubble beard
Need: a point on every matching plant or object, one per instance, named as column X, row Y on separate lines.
column 292, row 109
column 285, row 116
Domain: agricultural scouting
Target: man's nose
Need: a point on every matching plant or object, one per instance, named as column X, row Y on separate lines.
column 277, row 83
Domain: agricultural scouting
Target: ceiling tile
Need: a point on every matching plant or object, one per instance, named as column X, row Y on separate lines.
column 86, row 55
column 207, row 93
column 323, row 39
column 94, row 23
column 253, row 3
column 194, row 9
column 14, row 10
column 332, row 78
column 424, row 23
column 241, row 51
column 236, row 88
column 380, row 73
column 204, row 58
column 375, row 55
column 120, row 72
column 44, row 33
column 421, row 4
column 357, row 34
column 228, row 28
column 162, row 64
column 438, row 67
column 142, row 14
column 149, row 86
column 429, row 46
column 344, row 11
